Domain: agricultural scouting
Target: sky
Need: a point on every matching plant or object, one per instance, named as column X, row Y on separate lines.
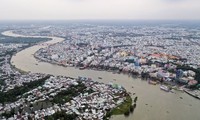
column 100, row 9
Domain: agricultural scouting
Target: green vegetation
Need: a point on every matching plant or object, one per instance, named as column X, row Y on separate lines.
column 66, row 95
column 61, row 116
column 11, row 95
column 8, row 52
column 171, row 71
column 8, row 114
column 2, row 82
column 135, row 100
column 7, row 39
column 123, row 108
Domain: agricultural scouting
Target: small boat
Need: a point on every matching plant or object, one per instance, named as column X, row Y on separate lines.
column 81, row 68
column 152, row 82
column 100, row 77
column 164, row 88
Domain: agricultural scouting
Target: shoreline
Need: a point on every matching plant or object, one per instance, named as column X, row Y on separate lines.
column 191, row 94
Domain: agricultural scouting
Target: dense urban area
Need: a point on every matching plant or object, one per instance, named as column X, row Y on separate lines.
column 161, row 54
column 164, row 55
column 40, row 96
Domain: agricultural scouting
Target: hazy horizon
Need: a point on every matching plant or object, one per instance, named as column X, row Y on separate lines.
column 99, row 10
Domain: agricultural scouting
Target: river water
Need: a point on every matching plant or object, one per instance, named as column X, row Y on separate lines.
column 152, row 104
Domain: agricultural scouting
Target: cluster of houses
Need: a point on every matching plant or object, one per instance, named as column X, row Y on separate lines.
column 180, row 41
column 153, row 50
column 11, row 77
column 93, row 104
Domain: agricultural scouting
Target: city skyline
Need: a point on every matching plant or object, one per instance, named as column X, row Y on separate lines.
column 100, row 9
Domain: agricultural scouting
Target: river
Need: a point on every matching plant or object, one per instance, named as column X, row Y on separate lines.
column 152, row 104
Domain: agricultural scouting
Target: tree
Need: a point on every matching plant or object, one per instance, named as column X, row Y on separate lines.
column 135, row 100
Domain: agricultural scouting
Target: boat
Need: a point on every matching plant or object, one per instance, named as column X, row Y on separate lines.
column 164, row 88
column 100, row 77
column 152, row 82
column 81, row 68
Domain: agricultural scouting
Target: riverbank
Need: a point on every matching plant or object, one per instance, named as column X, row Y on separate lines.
column 151, row 99
column 193, row 93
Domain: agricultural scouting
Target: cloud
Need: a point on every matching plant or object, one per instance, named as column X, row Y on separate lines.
column 99, row 9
